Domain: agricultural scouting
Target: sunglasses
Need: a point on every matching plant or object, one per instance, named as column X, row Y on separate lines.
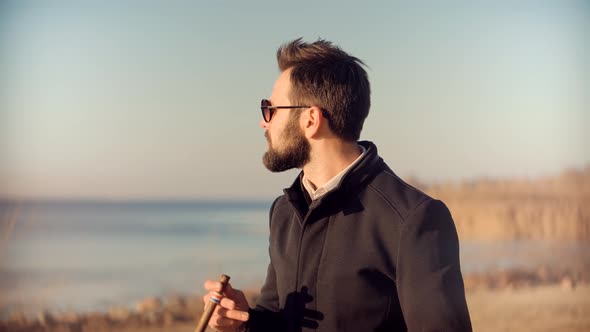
column 268, row 110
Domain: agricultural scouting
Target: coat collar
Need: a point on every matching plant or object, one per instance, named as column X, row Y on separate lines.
column 359, row 175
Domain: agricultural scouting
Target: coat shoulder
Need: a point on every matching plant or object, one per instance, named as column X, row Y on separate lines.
column 400, row 196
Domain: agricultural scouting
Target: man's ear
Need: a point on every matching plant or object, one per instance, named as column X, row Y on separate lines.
column 312, row 121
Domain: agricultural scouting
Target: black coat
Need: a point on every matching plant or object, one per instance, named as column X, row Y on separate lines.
column 375, row 254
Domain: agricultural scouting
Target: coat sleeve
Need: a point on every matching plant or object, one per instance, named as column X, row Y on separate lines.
column 429, row 282
column 266, row 315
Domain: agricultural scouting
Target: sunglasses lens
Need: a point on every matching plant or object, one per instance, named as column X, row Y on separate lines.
column 266, row 111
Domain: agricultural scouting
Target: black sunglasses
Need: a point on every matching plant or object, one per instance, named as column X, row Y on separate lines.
column 268, row 110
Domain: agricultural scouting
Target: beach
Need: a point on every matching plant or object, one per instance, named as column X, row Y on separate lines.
column 542, row 308
column 563, row 306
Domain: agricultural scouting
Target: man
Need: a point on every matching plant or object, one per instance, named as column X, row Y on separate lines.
column 352, row 246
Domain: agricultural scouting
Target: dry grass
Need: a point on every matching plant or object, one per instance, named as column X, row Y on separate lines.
column 543, row 308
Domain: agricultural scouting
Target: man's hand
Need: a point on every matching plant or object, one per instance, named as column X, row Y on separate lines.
column 231, row 314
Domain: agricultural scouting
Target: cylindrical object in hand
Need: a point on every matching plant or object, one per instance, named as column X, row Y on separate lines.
column 210, row 306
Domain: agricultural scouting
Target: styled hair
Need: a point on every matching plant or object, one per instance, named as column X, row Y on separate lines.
column 323, row 75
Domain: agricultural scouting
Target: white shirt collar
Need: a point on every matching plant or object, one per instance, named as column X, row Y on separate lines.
column 332, row 183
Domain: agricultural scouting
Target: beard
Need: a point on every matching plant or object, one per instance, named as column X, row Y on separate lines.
column 295, row 152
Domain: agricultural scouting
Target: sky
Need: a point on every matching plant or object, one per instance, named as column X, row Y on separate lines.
column 160, row 99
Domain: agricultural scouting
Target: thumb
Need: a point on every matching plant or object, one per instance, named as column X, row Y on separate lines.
column 229, row 291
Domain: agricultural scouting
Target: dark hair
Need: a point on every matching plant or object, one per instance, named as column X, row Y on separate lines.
column 324, row 75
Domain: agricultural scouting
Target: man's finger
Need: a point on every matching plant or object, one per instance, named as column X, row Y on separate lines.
column 215, row 286
column 229, row 290
column 212, row 285
column 227, row 303
column 220, row 321
column 242, row 316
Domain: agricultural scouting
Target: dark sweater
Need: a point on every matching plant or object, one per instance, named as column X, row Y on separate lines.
column 374, row 254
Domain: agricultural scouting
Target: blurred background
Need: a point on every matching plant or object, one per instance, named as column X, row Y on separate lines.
column 130, row 149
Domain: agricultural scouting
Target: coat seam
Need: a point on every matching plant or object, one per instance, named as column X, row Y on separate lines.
column 404, row 226
column 404, row 183
column 385, row 200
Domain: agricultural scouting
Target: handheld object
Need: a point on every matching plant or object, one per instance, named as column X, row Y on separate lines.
column 210, row 306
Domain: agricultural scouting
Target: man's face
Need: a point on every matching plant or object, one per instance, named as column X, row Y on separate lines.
column 287, row 145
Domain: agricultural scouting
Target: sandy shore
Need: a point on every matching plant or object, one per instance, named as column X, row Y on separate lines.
column 540, row 308
column 547, row 307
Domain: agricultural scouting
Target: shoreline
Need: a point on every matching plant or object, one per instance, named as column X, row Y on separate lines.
column 180, row 312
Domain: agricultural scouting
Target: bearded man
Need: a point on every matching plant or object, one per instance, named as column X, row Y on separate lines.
column 352, row 246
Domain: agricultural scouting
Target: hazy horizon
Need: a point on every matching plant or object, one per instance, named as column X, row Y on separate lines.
column 115, row 102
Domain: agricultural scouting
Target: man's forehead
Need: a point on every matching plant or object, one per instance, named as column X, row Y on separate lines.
column 285, row 78
column 282, row 86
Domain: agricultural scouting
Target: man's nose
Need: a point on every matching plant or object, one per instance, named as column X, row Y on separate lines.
column 263, row 124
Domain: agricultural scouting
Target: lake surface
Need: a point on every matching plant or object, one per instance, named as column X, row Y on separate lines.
column 85, row 256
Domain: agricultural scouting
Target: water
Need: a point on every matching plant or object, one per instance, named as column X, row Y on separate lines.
column 92, row 255
column 88, row 256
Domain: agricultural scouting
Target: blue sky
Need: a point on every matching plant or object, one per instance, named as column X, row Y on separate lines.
column 160, row 99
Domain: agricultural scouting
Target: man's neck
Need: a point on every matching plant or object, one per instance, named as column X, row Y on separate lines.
column 328, row 159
